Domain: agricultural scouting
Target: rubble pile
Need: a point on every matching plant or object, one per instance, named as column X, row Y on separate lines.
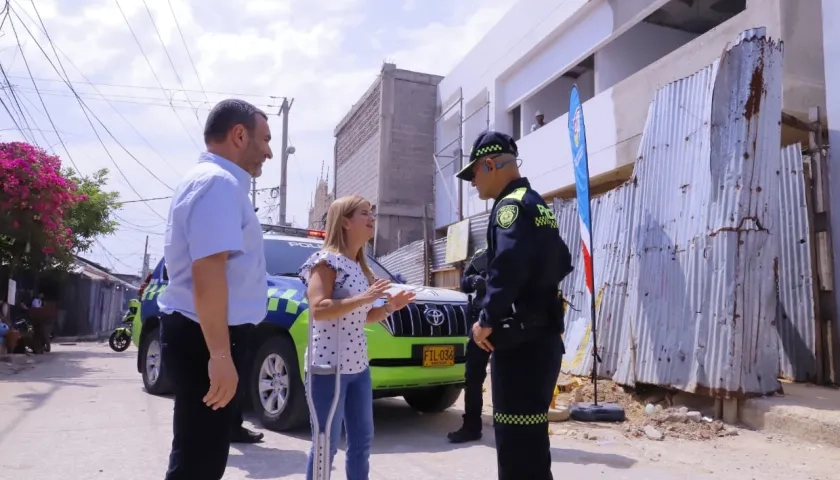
column 680, row 423
column 654, row 421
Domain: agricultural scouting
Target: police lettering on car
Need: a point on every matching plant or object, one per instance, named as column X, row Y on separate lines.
column 521, row 316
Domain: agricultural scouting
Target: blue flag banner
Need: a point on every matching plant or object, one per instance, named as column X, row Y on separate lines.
column 577, row 138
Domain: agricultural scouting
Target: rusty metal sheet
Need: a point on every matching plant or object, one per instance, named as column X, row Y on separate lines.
column 795, row 322
column 701, row 291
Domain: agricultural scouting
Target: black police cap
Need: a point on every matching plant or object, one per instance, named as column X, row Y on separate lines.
column 488, row 142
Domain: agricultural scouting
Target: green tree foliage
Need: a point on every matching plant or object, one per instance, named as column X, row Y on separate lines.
column 47, row 213
column 91, row 218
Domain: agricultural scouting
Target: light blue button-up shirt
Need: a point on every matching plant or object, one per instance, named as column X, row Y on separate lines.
column 211, row 213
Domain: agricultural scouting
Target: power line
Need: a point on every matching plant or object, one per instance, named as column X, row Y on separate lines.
column 152, row 68
column 25, row 112
column 46, row 111
column 129, row 184
column 187, row 48
column 13, row 97
column 169, row 197
column 83, row 105
column 116, row 99
column 165, row 89
column 11, row 94
column 109, row 256
column 122, row 220
column 171, row 63
column 76, row 94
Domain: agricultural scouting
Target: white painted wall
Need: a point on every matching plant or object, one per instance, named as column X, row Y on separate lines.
column 831, row 54
column 635, row 49
column 552, row 36
column 552, row 101
column 537, row 23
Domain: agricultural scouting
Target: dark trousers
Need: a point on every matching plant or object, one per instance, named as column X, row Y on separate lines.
column 474, row 376
column 201, row 435
column 524, row 378
column 242, row 357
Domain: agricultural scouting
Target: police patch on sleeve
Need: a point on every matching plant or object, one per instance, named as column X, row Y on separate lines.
column 506, row 215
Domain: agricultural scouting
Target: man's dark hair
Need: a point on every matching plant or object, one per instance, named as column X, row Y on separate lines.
column 226, row 115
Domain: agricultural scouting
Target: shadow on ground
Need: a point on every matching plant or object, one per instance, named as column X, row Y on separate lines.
column 583, row 457
column 263, row 462
column 60, row 368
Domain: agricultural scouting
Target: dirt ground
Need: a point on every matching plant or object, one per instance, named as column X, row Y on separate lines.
column 663, row 422
column 104, row 392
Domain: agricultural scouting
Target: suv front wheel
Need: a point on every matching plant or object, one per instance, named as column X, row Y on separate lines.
column 277, row 392
column 433, row 399
column 155, row 379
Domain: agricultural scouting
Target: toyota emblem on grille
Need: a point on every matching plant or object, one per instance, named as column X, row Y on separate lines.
column 434, row 316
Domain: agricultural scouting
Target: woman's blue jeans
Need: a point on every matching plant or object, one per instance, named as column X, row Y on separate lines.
column 354, row 411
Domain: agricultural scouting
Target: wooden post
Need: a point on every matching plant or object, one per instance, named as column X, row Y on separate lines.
column 426, row 257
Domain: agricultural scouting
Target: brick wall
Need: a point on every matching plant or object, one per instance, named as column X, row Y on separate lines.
column 357, row 150
column 409, row 164
column 407, row 158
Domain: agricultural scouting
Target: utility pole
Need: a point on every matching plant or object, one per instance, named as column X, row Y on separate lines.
column 145, row 267
column 254, row 192
column 284, row 158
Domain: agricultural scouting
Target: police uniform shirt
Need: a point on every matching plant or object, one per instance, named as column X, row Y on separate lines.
column 526, row 256
column 211, row 213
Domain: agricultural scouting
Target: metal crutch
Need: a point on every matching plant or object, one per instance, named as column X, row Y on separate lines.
column 321, row 440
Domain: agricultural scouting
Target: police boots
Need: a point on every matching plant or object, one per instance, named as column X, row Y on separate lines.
column 469, row 432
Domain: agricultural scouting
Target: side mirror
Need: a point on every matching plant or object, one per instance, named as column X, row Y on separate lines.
column 400, row 278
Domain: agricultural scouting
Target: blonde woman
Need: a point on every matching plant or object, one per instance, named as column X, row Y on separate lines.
column 341, row 290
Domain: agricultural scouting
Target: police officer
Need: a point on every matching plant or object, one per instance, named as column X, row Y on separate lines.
column 473, row 284
column 521, row 319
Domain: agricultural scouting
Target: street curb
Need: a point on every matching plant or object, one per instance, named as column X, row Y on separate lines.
column 769, row 414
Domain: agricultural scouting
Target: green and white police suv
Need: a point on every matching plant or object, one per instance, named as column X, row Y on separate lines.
column 416, row 353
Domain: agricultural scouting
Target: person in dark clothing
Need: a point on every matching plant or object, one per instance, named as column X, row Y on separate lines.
column 473, row 284
column 521, row 318
column 239, row 350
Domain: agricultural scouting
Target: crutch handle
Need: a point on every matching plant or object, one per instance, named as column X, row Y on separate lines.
column 323, row 369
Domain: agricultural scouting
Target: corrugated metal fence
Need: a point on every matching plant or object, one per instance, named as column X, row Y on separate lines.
column 89, row 306
column 795, row 320
column 703, row 271
column 407, row 261
column 688, row 284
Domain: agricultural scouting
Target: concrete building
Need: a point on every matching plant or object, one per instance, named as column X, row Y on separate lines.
column 384, row 150
column 321, row 201
column 618, row 52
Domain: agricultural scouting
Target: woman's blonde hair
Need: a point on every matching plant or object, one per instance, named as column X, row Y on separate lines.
column 336, row 235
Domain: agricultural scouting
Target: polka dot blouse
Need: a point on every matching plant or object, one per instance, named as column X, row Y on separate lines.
column 343, row 338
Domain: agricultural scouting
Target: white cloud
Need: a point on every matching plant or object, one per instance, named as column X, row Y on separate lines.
column 317, row 53
column 437, row 47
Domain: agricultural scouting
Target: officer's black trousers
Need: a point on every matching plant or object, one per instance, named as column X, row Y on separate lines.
column 523, row 380
column 474, row 376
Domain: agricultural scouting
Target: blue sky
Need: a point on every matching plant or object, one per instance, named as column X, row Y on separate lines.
column 324, row 54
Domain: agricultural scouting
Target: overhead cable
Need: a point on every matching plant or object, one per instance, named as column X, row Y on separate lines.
column 46, row 111
column 152, row 68
column 116, row 165
column 171, row 63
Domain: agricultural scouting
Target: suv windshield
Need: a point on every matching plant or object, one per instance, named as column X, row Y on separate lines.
column 285, row 256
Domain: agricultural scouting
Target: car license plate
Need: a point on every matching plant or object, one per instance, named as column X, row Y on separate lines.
column 438, row 355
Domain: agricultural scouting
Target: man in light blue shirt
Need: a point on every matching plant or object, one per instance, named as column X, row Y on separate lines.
column 213, row 248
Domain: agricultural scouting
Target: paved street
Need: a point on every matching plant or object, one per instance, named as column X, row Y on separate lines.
column 81, row 413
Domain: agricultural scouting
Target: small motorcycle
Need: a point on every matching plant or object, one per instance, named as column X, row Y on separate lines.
column 120, row 339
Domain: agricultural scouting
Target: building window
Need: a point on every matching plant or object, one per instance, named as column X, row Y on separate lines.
column 516, row 121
